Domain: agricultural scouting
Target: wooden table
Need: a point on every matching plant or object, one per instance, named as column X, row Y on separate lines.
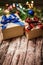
column 20, row 51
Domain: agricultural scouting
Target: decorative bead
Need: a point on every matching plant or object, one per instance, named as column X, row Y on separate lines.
column 31, row 12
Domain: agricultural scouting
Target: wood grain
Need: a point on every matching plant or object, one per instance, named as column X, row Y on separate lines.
column 21, row 51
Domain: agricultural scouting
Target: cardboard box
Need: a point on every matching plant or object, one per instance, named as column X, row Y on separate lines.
column 33, row 33
column 13, row 32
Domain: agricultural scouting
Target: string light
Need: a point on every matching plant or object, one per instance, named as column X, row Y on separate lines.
column 32, row 1
column 7, row 5
column 13, row 4
column 0, row 9
column 17, row 5
column 30, row 5
column 27, row 2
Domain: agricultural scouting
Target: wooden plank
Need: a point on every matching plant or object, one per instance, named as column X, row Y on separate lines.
column 3, row 50
column 38, row 51
column 10, row 52
column 30, row 53
column 42, row 53
column 16, row 55
column 23, row 51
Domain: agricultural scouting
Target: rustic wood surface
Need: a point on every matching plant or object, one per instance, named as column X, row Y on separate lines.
column 21, row 51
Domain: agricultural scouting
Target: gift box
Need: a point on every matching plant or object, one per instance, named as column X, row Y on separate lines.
column 11, row 27
column 33, row 28
column 13, row 32
column 33, row 33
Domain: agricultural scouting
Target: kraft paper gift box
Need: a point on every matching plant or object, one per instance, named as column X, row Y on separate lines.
column 33, row 33
column 12, row 30
column 12, row 26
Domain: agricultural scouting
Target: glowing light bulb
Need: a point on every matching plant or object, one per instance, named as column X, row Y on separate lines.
column 27, row 2
column 13, row 4
column 6, row 4
column 32, row 4
column 0, row 8
column 20, row 6
column 32, row 1
column 23, row 8
column 17, row 5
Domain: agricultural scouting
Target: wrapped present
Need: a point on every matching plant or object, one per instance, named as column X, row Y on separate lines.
column 11, row 27
column 33, row 29
column 33, row 33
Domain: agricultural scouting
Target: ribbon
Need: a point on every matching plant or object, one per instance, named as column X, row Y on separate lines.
column 11, row 19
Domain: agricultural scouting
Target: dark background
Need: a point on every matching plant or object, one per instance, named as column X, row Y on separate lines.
column 38, row 3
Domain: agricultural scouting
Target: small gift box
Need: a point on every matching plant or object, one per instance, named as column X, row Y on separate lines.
column 11, row 27
column 33, row 33
column 33, row 28
column 14, row 31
